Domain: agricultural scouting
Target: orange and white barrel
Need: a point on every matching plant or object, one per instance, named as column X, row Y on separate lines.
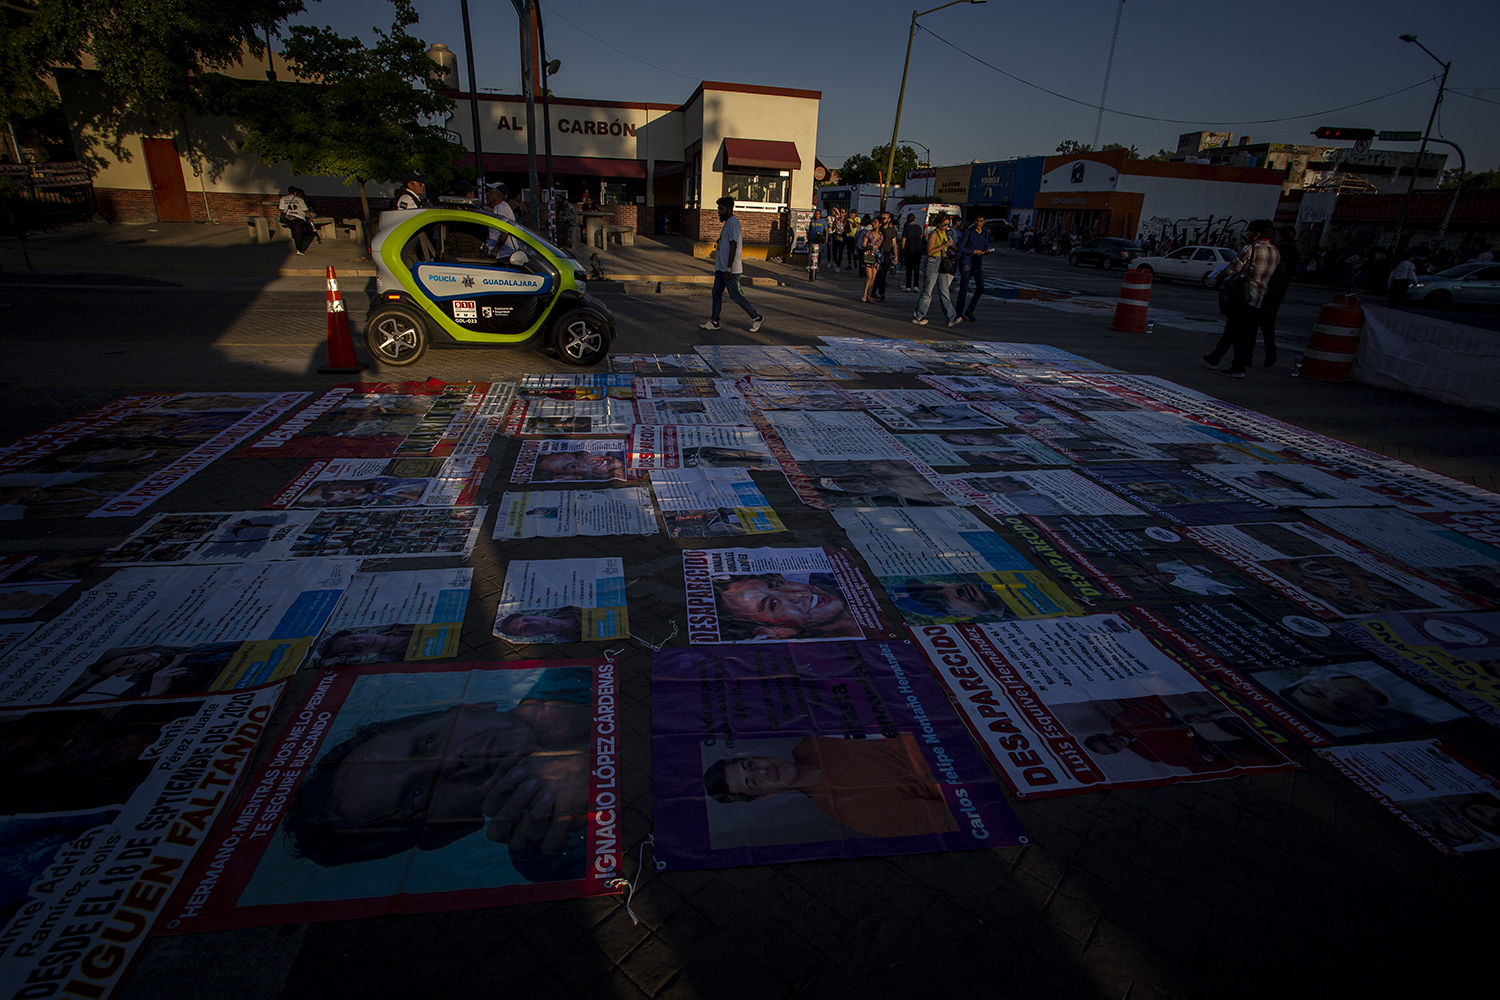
column 1131, row 307
column 1330, row 353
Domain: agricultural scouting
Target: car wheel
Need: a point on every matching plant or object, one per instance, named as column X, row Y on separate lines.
column 1439, row 298
column 581, row 338
column 1073, row 259
column 1100, row 263
column 395, row 335
column 1209, row 282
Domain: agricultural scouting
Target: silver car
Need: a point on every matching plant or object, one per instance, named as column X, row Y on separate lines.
column 1194, row 263
column 1475, row 284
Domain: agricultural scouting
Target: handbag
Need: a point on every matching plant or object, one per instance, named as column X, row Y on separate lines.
column 1234, row 297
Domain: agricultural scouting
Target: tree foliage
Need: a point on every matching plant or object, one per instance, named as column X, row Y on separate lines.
column 1070, row 146
column 354, row 111
column 862, row 169
column 151, row 53
column 1484, row 180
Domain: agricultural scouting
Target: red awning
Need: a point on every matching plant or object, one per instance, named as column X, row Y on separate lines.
column 585, row 166
column 665, row 169
column 769, row 154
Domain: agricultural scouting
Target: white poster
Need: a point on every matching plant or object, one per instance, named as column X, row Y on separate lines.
column 573, row 460
column 1043, row 492
column 921, row 410
column 554, row 417
column 1152, row 427
column 695, row 410
column 1442, row 797
column 565, row 513
column 982, row 448
column 396, row 617
column 562, row 600
column 1294, row 486
column 384, row 482
column 707, row 502
column 670, row 446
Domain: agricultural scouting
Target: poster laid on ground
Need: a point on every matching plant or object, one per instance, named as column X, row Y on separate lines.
column 699, row 411
column 574, row 460
column 982, row 448
column 847, row 460
column 808, row 394
column 1242, row 453
column 105, row 808
column 921, row 410
column 577, row 386
column 401, row 790
column 31, row 581
column 873, row 356
column 349, row 483
column 566, row 513
column 791, row 753
column 1136, row 558
column 1457, row 653
column 375, row 420
column 975, row 388
column 1043, row 492
column 1026, row 414
column 1184, row 496
column 941, row 564
column 1151, row 427
column 1459, row 560
column 707, row 502
column 1433, row 790
column 1294, row 486
column 673, row 446
column 773, row 362
column 118, row 459
column 778, row 595
column 1086, row 443
column 396, row 617
column 1324, row 573
column 649, row 387
column 173, row 630
column 562, row 600
column 1070, row 705
column 557, row 417
column 263, row 536
column 659, row 364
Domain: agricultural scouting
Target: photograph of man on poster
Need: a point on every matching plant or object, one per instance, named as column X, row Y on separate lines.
column 1356, row 699
column 1350, row 589
column 789, row 791
column 1190, row 731
column 771, row 607
column 151, row 672
column 875, row 483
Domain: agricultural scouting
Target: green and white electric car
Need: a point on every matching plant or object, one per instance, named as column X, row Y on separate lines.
column 435, row 285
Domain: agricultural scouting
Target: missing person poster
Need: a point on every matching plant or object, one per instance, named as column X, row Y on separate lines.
column 770, row 361
column 263, row 536
column 1070, row 705
column 400, row 790
column 396, row 617
column 1429, row 787
column 562, row 600
column 839, row 750
column 1044, row 492
column 567, row 513
column 975, row 388
column 31, row 581
column 778, row 595
column 105, row 809
column 845, row 459
column 173, row 630
column 1087, row 443
column 1294, row 486
column 647, row 387
column 806, row 394
column 1457, row 653
column 673, row 446
column 695, row 411
column 921, row 410
column 708, row 502
column 995, row 448
column 375, row 420
column 120, row 458
column 394, row 482
column 1455, row 558
column 574, row 460
column 562, row 417
column 1329, row 576
column 576, row 386
column 659, row 364
column 941, row 564
column 1183, row 496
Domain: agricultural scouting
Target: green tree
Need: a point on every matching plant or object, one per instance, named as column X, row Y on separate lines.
column 859, row 169
column 1484, row 180
column 358, row 112
column 1131, row 153
column 862, row 169
column 1070, row 146
column 1162, row 155
column 154, row 55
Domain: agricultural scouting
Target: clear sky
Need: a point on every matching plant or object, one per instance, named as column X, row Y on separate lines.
column 1209, row 63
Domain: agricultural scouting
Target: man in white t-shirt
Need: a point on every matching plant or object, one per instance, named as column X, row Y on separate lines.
column 728, row 254
column 497, row 240
column 292, row 212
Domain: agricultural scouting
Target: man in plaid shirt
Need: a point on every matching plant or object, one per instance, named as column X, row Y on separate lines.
column 1256, row 263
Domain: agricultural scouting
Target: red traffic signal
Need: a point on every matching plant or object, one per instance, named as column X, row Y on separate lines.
column 1345, row 134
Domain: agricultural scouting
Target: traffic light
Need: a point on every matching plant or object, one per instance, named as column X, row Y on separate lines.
column 1345, row 134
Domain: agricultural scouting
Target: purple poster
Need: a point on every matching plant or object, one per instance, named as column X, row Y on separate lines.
column 763, row 754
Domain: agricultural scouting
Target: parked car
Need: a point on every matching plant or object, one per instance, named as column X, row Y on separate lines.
column 1467, row 284
column 1106, row 251
column 1196, row 263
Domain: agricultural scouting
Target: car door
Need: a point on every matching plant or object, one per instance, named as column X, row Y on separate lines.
column 1204, row 259
column 1174, row 264
column 476, row 292
column 1480, row 288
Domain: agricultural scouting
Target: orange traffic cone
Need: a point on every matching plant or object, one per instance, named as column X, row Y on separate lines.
column 1131, row 307
column 341, row 359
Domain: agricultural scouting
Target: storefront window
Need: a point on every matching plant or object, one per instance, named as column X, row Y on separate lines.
column 767, row 188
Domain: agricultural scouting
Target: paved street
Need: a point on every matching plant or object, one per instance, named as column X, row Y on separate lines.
column 1284, row 885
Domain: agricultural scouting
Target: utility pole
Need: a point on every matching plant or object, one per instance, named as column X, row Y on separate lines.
column 1421, row 152
column 548, row 68
column 1108, row 65
column 473, row 102
column 529, row 59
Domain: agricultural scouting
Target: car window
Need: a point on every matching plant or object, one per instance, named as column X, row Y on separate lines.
column 1204, row 254
column 1459, row 271
column 1488, row 274
column 1228, row 254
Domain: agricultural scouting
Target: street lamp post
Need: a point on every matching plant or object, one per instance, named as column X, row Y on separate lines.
column 1426, row 135
column 1463, row 168
column 463, row 6
column 925, row 150
column 890, row 163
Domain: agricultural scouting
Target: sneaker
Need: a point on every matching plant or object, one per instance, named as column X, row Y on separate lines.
column 969, row 318
column 1270, row 359
column 756, row 322
column 955, row 321
column 1233, row 372
column 712, row 324
column 920, row 321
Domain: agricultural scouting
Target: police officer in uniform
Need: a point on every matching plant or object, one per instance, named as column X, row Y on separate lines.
column 411, row 195
column 496, row 205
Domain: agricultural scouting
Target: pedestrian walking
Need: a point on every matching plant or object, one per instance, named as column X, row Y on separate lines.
column 292, row 213
column 1242, row 295
column 851, row 230
column 1401, row 277
column 971, row 250
column 889, row 238
column 865, row 225
column 817, row 231
column 836, row 238
column 411, row 194
column 939, row 263
column 728, row 265
column 1276, row 289
column 913, row 248
column 869, row 257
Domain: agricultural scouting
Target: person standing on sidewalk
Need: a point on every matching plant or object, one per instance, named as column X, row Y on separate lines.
column 851, row 232
column 911, row 253
column 869, row 257
column 1400, row 279
column 293, row 213
column 938, row 273
column 412, row 193
column 971, row 250
column 886, row 226
column 728, row 265
column 1244, row 292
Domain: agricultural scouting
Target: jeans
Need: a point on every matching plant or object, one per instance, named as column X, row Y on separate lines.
column 1239, row 334
column 931, row 279
column 965, row 272
column 723, row 281
column 879, row 287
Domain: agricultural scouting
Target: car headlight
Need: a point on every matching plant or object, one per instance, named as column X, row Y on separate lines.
column 1419, row 283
